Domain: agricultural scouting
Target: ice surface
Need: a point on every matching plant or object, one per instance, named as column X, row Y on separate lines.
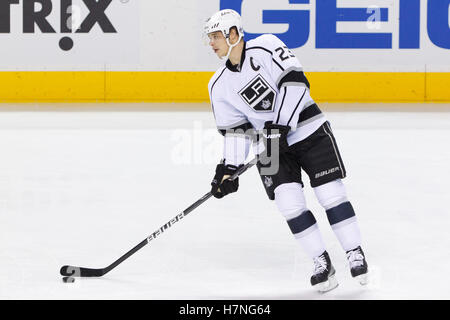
column 83, row 188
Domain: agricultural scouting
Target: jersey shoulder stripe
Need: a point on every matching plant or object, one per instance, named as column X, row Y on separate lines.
column 258, row 47
column 267, row 43
column 215, row 78
column 268, row 51
column 211, row 85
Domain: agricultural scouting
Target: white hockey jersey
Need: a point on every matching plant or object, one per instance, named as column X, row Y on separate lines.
column 268, row 85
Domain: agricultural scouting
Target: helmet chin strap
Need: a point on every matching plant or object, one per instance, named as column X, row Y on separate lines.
column 231, row 46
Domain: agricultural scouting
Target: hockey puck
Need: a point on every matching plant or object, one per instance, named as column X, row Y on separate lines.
column 68, row 280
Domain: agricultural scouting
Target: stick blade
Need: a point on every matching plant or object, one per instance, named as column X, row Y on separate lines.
column 71, row 271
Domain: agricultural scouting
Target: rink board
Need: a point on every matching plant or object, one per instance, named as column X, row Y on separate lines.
column 116, row 86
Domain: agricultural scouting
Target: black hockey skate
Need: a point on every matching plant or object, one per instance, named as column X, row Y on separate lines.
column 323, row 278
column 358, row 265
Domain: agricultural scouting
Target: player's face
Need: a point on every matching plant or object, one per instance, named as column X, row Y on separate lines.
column 218, row 43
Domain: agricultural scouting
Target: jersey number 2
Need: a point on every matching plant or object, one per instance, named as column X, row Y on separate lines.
column 285, row 53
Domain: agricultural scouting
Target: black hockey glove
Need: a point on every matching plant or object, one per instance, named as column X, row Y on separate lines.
column 220, row 186
column 275, row 134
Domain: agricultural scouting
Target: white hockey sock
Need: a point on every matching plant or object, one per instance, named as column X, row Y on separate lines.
column 292, row 205
column 333, row 198
column 311, row 241
column 348, row 233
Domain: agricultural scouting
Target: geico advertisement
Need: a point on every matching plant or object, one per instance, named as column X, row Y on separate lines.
column 355, row 35
column 327, row 15
column 68, row 32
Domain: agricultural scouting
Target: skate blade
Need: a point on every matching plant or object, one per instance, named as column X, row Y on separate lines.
column 363, row 279
column 328, row 285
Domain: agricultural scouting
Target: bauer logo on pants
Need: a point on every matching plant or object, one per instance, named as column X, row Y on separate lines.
column 326, row 172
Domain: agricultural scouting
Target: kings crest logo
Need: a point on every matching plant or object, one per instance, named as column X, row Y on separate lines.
column 259, row 95
column 268, row 181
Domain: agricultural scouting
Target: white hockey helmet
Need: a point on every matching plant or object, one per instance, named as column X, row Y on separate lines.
column 223, row 21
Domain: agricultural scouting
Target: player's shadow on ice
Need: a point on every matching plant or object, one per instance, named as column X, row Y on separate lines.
column 306, row 294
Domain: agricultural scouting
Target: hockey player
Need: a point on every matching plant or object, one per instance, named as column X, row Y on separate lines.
column 262, row 88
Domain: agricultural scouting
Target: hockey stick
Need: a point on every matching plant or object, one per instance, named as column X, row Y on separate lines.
column 72, row 271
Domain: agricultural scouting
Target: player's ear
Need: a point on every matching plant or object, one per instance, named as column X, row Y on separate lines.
column 234, row 36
